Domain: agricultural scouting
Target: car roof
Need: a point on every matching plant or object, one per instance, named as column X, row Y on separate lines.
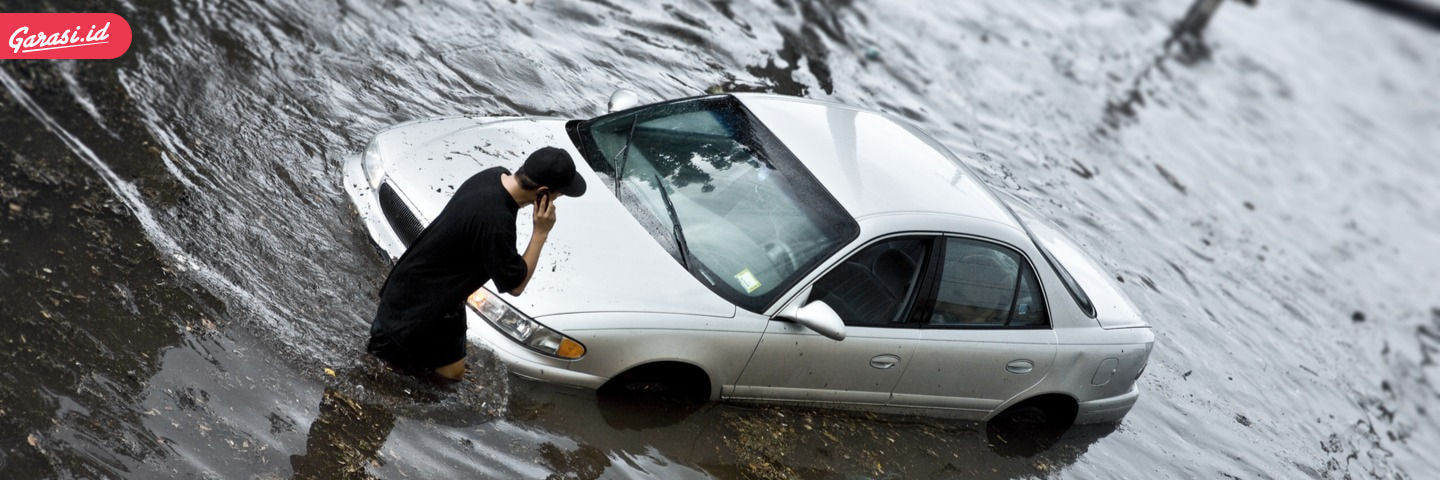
column 873, row 163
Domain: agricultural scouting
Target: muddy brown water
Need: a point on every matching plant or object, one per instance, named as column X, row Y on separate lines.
column 185, row 288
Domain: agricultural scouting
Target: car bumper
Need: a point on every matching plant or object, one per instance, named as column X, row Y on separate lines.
column 1110, row 409
column 526, row 363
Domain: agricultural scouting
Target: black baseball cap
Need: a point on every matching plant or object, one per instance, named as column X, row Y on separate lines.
column 552, row 167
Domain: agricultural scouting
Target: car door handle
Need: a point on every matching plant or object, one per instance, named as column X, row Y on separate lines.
column 1020, row 366
column 884, row 362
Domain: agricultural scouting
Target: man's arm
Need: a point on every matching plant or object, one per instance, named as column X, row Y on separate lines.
column 532, row 258
column 544, row 221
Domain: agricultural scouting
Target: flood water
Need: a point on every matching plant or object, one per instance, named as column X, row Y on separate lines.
column 185, row 289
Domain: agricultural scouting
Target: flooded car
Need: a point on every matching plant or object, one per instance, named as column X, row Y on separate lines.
column 765, row 248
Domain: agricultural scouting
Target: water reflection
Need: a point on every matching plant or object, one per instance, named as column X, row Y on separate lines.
column 753, row 441
column 345, row 440
column 624, row 410
column 364, row 401
column 1021, row 439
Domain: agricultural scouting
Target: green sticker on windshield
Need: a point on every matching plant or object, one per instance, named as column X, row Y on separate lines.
column 747, row 280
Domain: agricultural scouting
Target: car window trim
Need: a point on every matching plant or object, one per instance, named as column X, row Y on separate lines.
column 922, row 307
column 908, row 307
column 924, row 322
column 1015, row 296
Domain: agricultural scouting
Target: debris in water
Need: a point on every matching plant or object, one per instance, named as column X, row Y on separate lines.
column 1189, row 32
column 872, row 53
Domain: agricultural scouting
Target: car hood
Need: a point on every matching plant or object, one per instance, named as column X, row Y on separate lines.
column 598, row 258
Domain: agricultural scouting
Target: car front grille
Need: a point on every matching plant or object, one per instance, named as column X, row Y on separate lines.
column 406, row 226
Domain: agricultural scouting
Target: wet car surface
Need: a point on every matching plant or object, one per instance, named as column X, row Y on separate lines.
column 186, row 289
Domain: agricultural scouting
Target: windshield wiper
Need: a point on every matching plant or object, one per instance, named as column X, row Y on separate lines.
column 674, row 220
column 625, row 153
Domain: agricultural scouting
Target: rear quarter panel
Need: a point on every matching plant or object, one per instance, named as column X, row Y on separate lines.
column 1085, row 350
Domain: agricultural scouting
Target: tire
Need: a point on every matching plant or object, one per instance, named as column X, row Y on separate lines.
column 654, row 395
column 1031, row 426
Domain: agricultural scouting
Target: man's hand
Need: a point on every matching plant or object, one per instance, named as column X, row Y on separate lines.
column 544, row 213
column 544, row 221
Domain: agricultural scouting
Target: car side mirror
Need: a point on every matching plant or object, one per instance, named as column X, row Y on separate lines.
column 819, row 317
column 621, row 100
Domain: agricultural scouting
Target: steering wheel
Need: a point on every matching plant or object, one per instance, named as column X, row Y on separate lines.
column 778, row 250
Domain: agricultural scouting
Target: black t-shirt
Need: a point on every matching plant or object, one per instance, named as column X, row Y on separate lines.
column 471, row 242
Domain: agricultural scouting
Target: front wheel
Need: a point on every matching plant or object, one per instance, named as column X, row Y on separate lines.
column 653, row 396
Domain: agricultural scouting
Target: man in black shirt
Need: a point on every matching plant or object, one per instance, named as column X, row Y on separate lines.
column 419, row 326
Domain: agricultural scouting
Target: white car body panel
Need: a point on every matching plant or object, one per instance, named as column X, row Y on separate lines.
column 872, row 163
column 794, row 364
column 607, row 283
column 614, row 341
column 966, row 369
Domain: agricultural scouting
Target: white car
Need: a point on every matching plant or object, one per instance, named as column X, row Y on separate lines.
column 766, row 248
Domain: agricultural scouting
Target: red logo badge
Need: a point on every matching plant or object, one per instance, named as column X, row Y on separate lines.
column 64, row 35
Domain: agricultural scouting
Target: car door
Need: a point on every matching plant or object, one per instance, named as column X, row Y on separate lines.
column 985, row 333
column 873, row 292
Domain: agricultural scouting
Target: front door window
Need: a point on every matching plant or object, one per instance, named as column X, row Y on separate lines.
column 873, row 287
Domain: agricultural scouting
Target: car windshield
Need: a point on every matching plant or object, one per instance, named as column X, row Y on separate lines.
column 719, row 192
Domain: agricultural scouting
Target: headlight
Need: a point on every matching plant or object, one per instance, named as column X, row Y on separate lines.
column 370, row 163
column 521, row 328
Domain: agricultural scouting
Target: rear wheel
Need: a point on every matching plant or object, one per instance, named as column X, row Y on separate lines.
column 1031, row 426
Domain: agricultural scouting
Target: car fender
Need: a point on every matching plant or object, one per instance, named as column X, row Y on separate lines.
column 619, row 341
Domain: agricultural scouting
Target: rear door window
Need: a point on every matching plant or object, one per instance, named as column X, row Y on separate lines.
column 985, row 285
